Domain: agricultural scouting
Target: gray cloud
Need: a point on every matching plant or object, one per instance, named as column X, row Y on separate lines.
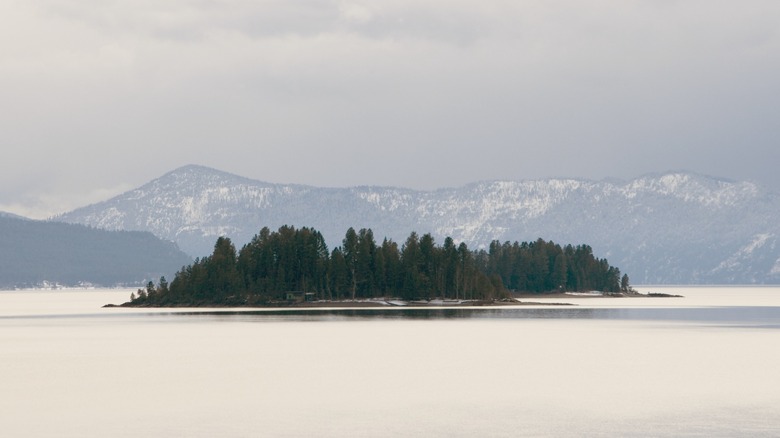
column 99, row 96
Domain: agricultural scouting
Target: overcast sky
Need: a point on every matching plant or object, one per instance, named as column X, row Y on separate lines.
column 98, row 97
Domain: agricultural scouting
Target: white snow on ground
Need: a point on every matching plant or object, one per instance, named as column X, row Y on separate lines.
column 744, row 253
column 776, row 268
column 444, row 302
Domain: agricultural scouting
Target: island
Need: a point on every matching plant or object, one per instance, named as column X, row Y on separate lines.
column 293, row 267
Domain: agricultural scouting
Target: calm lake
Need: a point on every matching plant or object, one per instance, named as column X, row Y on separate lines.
column 704, row 365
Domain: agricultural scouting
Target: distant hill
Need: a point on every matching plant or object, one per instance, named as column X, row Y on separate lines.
column 11, row 215
column 33, row 252
column 676, row 227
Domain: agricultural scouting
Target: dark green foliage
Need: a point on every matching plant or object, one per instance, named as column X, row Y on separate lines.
column 273, row 264
column 624, row 286
column 350, row 250
column 210, row 280
column 542, row 266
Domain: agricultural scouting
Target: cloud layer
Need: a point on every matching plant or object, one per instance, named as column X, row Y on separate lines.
column 98, row 96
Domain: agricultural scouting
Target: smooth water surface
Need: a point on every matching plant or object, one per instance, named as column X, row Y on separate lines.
column 703, row 365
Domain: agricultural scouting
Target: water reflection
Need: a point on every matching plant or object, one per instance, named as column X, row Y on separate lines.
column 766, row 317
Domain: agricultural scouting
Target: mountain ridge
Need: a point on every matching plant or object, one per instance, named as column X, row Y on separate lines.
column 5, row 214
column 674, row 227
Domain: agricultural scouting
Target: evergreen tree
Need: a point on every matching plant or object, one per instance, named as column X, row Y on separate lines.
column 427, row 267
column 391, row 257
column 365, row 263
column 410, row 267
column 350, row 250
column 449, row 268
column 559, row 272
column 464, row 273
column 290, row 259
column 339, row 275
column 224, row 280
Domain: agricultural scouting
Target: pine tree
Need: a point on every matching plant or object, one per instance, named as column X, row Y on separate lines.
column 410, row 267
column 365, row 263
column 427, row 266
column 339, row 275
column 449, row 268
column 291, row 259
column 350, row 250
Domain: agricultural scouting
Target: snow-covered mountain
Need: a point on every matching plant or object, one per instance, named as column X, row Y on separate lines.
column 666, row 228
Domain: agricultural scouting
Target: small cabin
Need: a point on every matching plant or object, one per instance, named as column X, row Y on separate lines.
column 299, row 297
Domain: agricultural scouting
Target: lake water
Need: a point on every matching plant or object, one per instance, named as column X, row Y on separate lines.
column 704, row 365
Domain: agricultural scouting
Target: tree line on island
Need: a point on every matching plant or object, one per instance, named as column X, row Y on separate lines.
column 275, row 263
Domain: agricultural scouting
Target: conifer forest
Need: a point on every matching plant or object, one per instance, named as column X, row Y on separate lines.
column 275, row 263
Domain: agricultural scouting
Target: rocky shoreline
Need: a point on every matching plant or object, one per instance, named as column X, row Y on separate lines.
column 518, row 299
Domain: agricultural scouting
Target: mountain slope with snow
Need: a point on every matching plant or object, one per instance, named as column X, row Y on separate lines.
column 667, row 228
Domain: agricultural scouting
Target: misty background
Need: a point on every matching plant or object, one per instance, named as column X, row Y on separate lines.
column 100, row 97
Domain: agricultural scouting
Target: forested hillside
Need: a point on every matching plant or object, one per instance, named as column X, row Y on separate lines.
column 291, row 259
column 34, row 252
